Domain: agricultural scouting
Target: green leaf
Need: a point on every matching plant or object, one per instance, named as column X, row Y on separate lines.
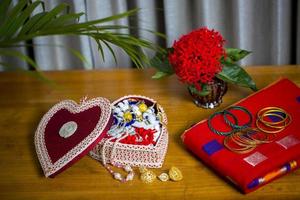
column 113, row 17
column 204, row 90
column 236, row 54
column 19, row 21
column 161, row 62
column 49, row 16
column 159, row 74
column 63, row 20
column 111, row 51
column 55, row 22
column 31, row 23
column 11, row 17
column 4, row 5
column 19, row 55
column 235, row 74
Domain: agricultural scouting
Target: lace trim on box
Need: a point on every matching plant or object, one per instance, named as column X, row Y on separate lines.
column 50, row 168
column 135, row 155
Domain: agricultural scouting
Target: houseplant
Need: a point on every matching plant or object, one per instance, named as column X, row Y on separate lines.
column 22, row 22
column 200, row 61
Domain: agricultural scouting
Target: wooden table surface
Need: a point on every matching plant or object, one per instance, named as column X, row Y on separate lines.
column 24, row 100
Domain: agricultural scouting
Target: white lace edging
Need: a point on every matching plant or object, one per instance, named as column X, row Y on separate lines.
column 135, row 155
column 48, row 166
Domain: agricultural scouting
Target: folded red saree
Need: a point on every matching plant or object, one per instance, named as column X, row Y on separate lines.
column 266, row 162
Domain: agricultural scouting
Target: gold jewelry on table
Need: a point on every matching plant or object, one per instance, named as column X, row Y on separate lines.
column 143, row 169
column 163, row 177
column 148, row 176
column 175, row 174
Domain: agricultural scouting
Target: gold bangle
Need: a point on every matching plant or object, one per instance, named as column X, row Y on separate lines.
column 237, row 150
column 287, row 118
column 261, row 141
column 267, row 131
column 269, row 110
column 242, row 142
column 278, row 126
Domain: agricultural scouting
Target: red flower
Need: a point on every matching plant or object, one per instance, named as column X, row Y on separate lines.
column 196, row 56
column 142, row 137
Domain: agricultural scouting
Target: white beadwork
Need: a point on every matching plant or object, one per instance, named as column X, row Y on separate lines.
column 149, row 156
column 127, row 168
column 117, row 176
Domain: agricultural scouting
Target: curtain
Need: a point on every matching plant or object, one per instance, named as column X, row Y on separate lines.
column 268, row 28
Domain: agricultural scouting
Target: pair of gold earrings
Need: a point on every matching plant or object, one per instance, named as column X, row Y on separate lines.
column 148, row 176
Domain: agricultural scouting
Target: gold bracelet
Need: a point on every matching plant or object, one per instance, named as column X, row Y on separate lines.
column 278, row 126
column 270, row 111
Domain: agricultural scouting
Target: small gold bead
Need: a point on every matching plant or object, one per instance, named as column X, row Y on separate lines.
column 163, row 177
column 148, row 176
column 175, row 174
column 143, row 169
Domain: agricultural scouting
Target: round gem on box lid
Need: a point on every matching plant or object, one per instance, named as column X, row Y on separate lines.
column 68, row 131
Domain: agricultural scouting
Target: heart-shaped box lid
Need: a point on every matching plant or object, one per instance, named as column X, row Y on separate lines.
column 68, row 131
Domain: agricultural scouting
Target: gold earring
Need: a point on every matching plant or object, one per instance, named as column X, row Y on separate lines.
column 175, row 174
column 163, row 177
column 147, row 176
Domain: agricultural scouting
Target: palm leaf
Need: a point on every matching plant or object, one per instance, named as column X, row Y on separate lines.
column 49, row 16
column 63, row 20
column 4, row 5
column 11, row 17
column 20, row 23
column 30, row 24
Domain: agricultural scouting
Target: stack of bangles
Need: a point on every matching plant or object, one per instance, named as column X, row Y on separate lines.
column 275, row 126
column 243, row 138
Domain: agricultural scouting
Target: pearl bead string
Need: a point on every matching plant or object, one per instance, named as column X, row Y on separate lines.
column 126, row 168
column 120, row 132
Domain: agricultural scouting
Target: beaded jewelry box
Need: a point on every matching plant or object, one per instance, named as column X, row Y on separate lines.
column 147, row 155
column 68, row 131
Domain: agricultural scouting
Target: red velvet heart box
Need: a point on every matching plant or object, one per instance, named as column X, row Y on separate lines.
column 68, row 131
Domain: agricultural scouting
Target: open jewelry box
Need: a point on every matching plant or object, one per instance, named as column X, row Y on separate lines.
column 69, row 131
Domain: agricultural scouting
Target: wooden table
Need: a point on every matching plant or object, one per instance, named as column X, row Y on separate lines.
column 24, row 100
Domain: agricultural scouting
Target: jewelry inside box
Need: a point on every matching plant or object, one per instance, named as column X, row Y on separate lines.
column 134, row 123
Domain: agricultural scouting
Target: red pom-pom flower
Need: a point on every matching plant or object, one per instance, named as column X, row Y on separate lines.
column 196, row 56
